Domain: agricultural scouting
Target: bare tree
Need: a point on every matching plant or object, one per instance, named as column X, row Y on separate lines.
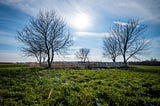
column 32, row 44
column 130, row 39
column 110, row 47
column 83, row 54
column 46, row 35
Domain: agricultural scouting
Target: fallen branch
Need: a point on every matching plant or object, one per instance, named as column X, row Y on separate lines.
column 50, row 93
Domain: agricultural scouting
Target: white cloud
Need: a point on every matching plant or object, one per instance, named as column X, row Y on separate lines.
column 70, row 57
column 155, row 42
column 7, row 38
column 4, row 33
column 68, row 10
column 120, row 23
column 74, row 48
column 6, row 56
column 147, row 10
column 96, row 55
column 155, row 18
column 74, row 38
column 92, row 34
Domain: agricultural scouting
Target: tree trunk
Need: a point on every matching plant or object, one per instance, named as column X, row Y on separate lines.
column 125, row 64
column 114, row 64
column 49, row 63
column 84, row 60
column 125, row 61
column 114, row 60
column 51, row 60
column 40, row 59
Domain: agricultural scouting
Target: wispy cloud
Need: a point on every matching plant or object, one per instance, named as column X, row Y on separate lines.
column 100, row 11
column 154, row 18
column 92, row 34
column 6, row 56
column 147, row 10
column 75, row 48
column 4, row 33
column 120, row 23
column 7, row 38
column 155, row 42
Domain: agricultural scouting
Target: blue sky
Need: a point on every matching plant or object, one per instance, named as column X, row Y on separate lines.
column 98, row 18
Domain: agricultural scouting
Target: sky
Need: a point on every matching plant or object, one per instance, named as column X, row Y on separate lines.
column 88, row 20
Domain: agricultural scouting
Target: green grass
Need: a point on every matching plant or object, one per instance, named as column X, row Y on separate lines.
column 21, row 85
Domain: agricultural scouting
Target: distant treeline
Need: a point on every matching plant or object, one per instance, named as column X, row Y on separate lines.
column 88, row 65
column 150, row 63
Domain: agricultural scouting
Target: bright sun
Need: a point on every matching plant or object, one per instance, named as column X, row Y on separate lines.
column 81, row 21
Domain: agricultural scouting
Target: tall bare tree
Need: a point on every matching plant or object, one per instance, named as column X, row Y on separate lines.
column 110, row 48
column 130, row 39
column 45, row 35
column 83, row 54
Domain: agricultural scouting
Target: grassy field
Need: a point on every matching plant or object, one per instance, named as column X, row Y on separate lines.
column 136, row 86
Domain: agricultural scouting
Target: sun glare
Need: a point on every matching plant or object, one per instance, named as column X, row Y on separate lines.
column 81, row 21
